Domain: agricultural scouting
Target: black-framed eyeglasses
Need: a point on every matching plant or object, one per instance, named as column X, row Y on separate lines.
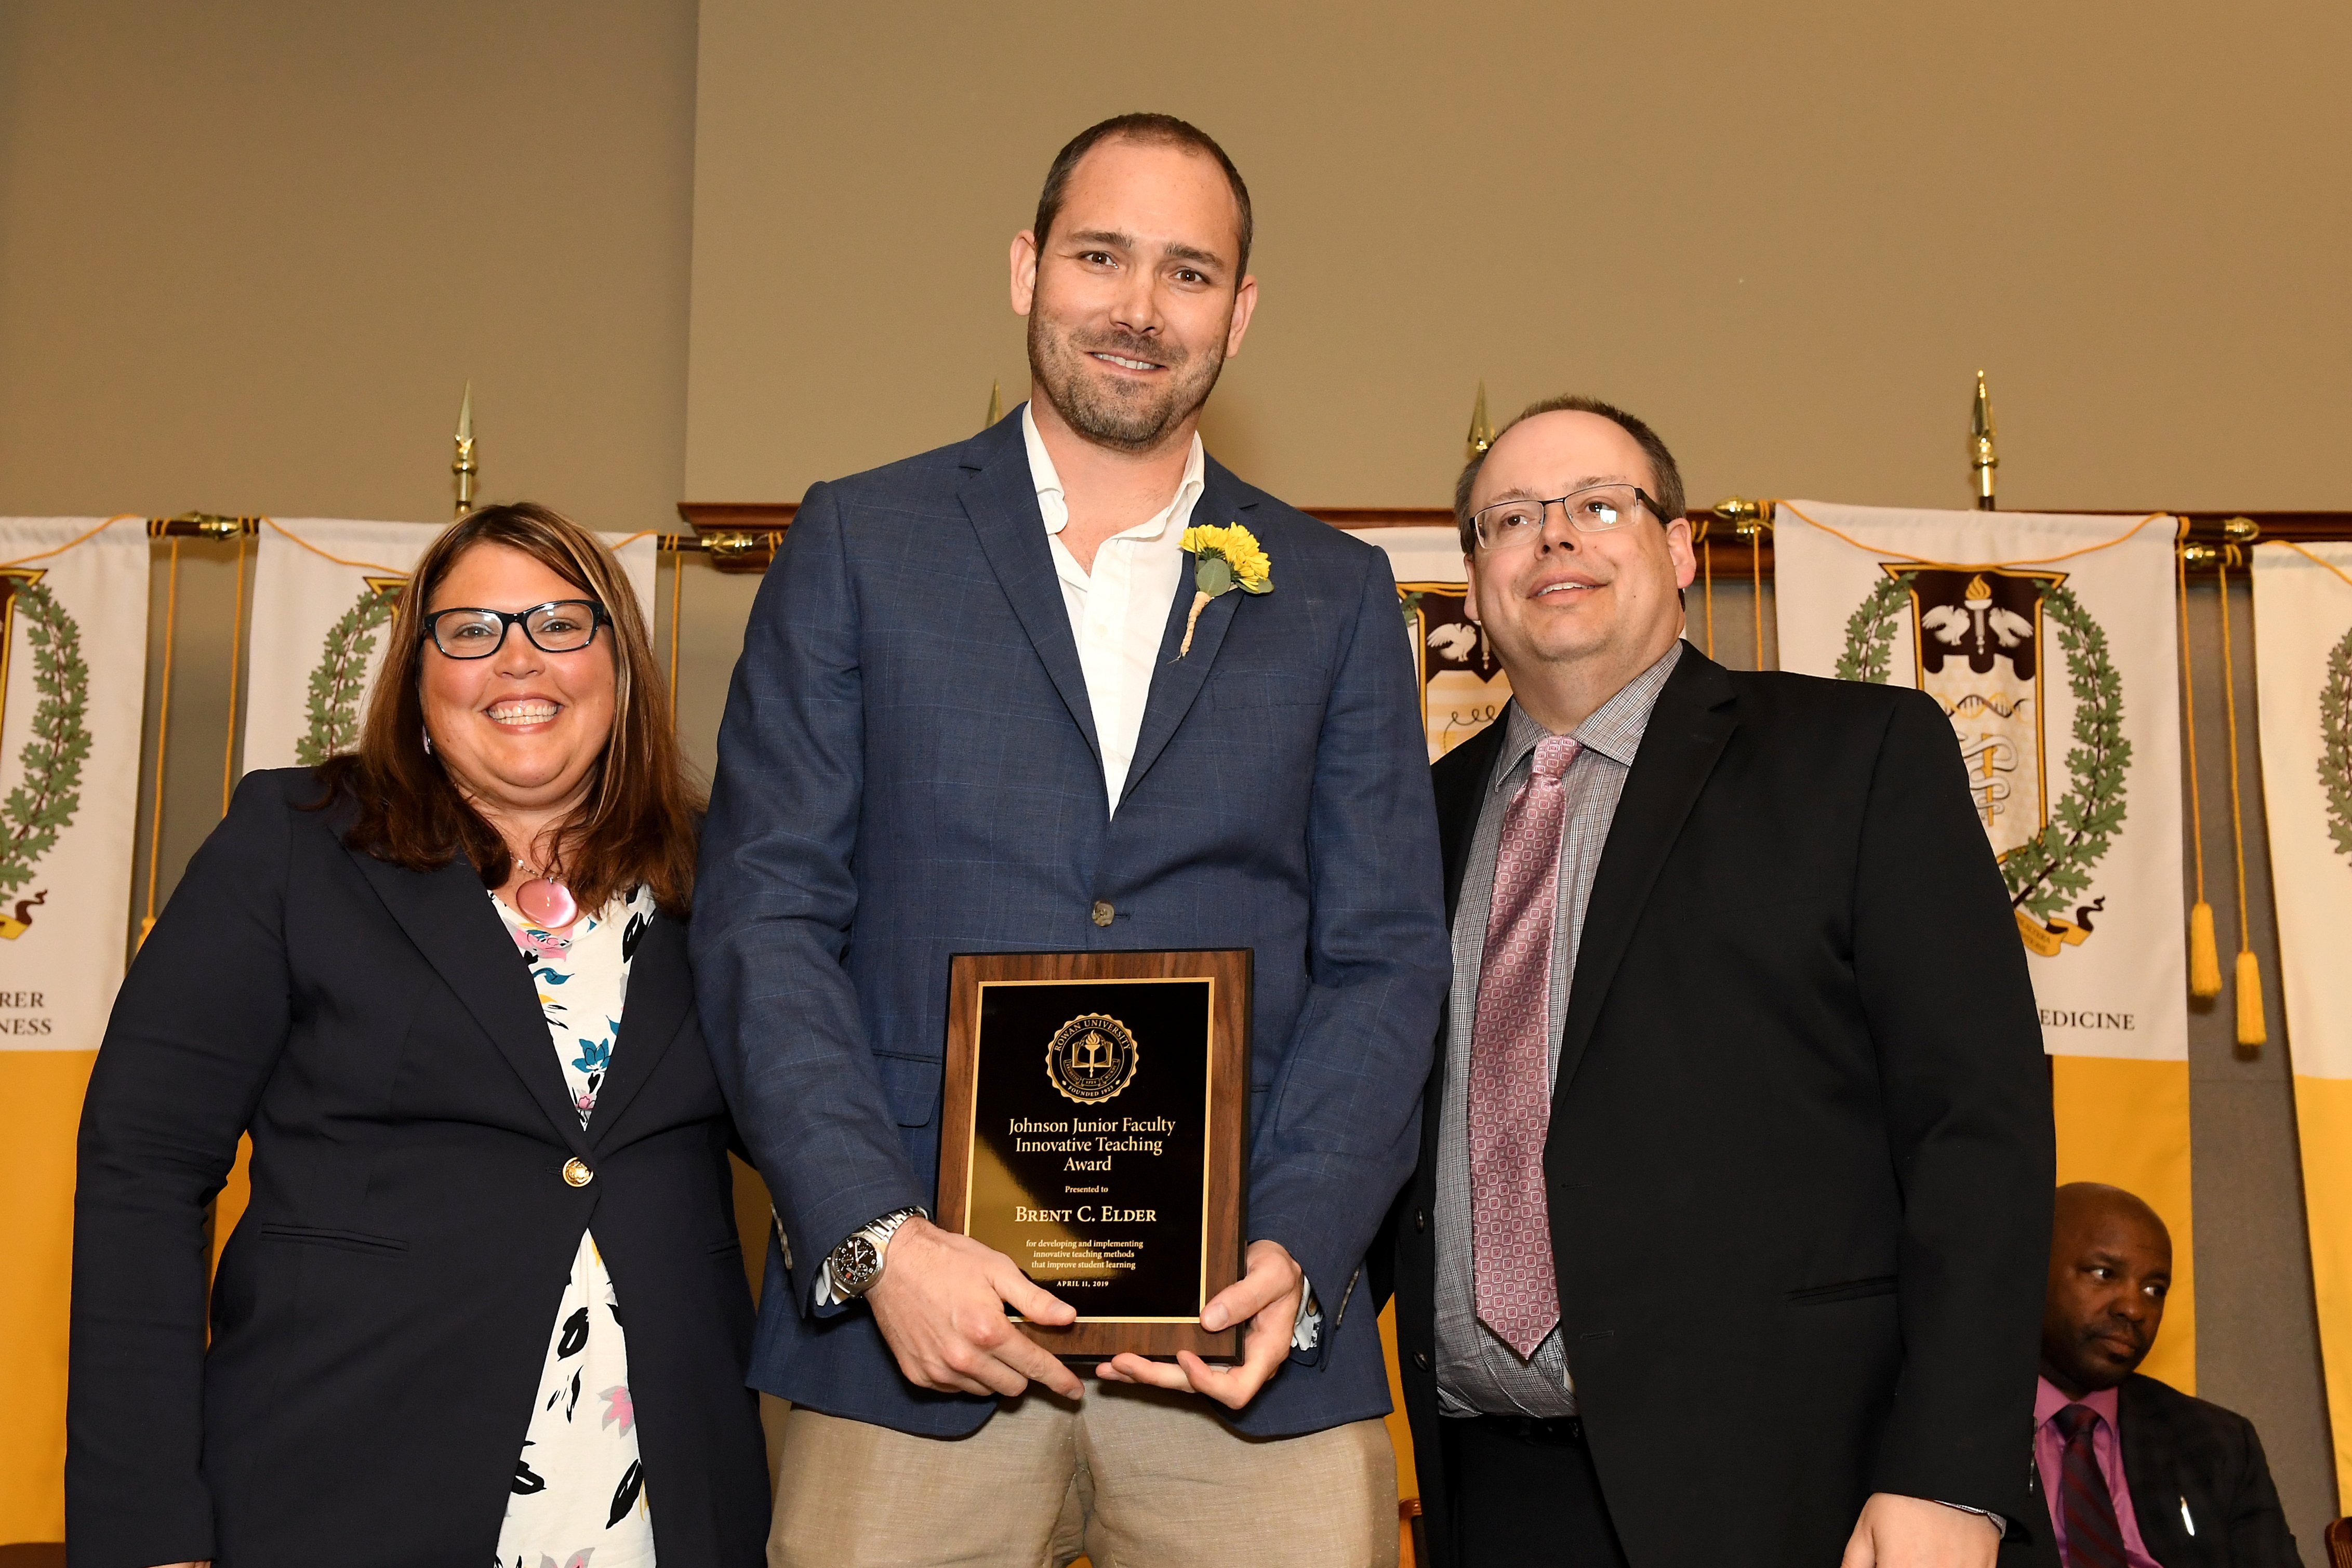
column 1596, row 509
column 559, row 626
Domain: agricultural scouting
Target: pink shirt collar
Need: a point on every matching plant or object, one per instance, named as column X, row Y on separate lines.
column 2107, row 1446
column 2048, row 1402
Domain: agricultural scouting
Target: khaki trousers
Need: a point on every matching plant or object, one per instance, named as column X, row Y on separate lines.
column 1131, row 1478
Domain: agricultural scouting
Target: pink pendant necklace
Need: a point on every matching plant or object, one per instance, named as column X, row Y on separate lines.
column 544, row 901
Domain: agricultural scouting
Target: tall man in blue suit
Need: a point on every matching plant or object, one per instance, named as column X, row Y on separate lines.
column 963, row 721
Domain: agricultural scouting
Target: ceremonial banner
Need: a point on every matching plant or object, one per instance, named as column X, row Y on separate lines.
column 73, row 681
column 2051, row 642
column 323, row 592
column 2302, row 649
column 1463, row 688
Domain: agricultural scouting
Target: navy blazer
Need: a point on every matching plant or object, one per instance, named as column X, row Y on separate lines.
column 908, row 769
column 381, row 1311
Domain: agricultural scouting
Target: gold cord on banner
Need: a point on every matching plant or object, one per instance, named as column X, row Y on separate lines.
column 1756, row 585
column 2204, row 952
column 77, row 539
column 2251, row 1029
column 162, row 734
column 236, row 647
column 363, row 566
column 1748, row 520
column 2036, row 561
column 1706, row 590
column 676, row 585
column 2318, row 561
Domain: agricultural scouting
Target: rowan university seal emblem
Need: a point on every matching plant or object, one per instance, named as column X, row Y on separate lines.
column 1982, row 637
column 1091, row 1059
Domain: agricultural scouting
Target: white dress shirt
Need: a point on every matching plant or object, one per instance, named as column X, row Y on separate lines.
column 1118, row 612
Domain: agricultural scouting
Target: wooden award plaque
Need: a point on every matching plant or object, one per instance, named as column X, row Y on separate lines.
column 1092, row 1130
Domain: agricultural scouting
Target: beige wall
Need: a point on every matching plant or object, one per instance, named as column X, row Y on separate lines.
column 250, row 253
column 1789, row 235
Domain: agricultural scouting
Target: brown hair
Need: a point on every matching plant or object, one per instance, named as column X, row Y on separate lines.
column 1151, row 131
column 1666, row 474
column 638, row 823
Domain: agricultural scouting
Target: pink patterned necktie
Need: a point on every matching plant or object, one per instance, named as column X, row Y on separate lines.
column 1510, row 1064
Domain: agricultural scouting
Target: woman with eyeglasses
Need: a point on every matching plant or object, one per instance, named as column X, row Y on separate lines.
column 487, row 1303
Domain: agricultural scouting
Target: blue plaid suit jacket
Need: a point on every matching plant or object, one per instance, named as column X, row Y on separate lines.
column 906, row 770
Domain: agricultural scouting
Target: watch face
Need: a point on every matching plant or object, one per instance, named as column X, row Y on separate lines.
column 855, row 1264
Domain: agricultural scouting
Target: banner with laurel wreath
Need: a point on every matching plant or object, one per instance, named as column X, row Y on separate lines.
column 323, row 592
column 2050, row 642
column 2302, row 649
column 73, row 688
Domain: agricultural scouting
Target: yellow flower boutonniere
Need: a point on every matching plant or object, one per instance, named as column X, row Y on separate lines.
column 1225, row 558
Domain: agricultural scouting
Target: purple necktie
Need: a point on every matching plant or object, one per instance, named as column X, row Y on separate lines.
column 1510, row 1064
column 2094, row 1538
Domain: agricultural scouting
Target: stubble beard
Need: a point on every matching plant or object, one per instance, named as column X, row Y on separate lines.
column 1059, row 363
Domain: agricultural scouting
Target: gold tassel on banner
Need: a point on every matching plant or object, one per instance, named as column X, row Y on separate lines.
column 2251, row 1030
column 2204, row 953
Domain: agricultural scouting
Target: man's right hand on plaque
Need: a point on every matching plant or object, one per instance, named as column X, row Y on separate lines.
column 941, row 1305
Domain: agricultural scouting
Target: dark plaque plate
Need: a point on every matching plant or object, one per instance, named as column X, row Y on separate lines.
column 1092, row 1132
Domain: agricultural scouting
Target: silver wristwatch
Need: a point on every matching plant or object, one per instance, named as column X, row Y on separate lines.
column 857, row 1262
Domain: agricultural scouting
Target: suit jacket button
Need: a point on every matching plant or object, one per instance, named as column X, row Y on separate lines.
column 1420, row 1219
column 1421, row 1361
column 1102, row 913
column 576, row 1172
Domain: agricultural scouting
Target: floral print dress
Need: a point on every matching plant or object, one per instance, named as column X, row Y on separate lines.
column 579, row 1498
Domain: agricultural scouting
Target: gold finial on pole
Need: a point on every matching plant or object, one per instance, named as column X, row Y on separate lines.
column 1981, row 460
column 464, row 466
column 995, row 404
column 1482, row 429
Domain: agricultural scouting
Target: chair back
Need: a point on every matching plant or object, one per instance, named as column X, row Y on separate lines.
column 2338, row 1537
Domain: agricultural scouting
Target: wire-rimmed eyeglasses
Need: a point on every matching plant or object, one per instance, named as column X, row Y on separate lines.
column 1596, row 509
column 559, row 626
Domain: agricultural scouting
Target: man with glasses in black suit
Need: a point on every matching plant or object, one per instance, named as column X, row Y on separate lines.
column 1726, row 1239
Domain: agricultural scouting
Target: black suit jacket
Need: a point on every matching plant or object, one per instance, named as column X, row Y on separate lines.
column 382, row 1313
column 1799, row 1163
column 2181, row 1453
column 2183, row 1456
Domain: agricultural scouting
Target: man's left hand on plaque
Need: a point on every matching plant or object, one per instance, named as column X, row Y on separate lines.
column 940, row 1304
column 1267, row 1296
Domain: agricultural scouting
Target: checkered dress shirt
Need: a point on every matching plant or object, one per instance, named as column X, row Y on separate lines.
column 1477, row 1373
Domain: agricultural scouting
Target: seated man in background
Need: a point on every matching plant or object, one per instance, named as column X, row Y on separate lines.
column 2136, row 1474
